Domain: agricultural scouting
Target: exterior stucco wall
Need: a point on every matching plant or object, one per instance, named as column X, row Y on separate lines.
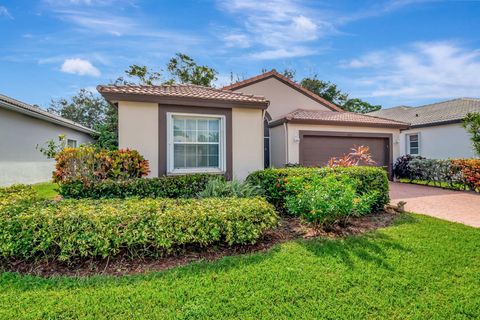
column 294, row 141
column 138, row 130
column 283, row 98
column 441, row 142
column 20, row 161
column 247, row 141
column 278, row 153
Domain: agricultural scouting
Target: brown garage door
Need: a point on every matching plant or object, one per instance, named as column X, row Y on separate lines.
column 316, row 148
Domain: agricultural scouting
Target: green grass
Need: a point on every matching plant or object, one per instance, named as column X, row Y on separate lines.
column 422, row 268
column 445, row 185
column 46, row 190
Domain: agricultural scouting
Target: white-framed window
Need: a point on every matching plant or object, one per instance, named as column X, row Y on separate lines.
column 196, row 143
column 413, row 144
column 71, row 143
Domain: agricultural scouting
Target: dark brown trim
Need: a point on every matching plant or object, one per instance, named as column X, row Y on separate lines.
column 434, row 124
column 185, row 101
column 389, row 136
column 337, row 123
column 163, row 134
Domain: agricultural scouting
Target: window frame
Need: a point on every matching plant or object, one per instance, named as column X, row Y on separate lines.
column 75, row 143
column 222, row 161
column 408, row 135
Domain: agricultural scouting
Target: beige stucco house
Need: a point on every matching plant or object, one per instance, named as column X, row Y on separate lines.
column 23, row 127
column 264, row 121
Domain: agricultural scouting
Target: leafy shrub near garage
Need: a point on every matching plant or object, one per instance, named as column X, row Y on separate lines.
column 87, row 165
column 469, row 172
column 402, row 169
column 186, row 186
column 436, row 171
column 72, row 229
column 368, row 179
column 325, row 200
column 220, row 188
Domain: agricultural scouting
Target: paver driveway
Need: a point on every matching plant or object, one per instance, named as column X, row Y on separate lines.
column 457, row 206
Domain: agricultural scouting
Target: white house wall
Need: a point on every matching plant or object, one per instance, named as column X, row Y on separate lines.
column 441, row 142
column 283, row 98
column 20, row 160
column 138, row 130
column 247, row 141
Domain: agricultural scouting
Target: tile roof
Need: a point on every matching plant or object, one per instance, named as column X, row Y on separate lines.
column 281, row 77
column 337, row 118
column 182, row 91
column 431, row 114
column 39, row 113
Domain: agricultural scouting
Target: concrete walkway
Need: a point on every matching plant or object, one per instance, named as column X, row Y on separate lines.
column 457, row 206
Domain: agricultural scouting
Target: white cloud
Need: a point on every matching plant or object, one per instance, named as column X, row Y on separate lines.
column 237, row 40
column 282, row 53
column 422, row 70
column 282, row 28
column 5, row 13
column 79, row 66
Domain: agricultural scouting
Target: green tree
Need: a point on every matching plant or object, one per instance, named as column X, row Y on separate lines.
column 359, row 106
column 472, row 124
column 141, row 74
column 184, row 69
column 92, row 111
column 325, row 89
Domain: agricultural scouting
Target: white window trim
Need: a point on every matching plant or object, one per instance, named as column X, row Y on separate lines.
column 222, row 145
column 75, row 142
column 407, row 136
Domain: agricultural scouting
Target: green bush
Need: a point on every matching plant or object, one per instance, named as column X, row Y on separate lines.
column 72, row 229
column 219, row 188
column 186, row 186
column 324, row 200
column 369, row 179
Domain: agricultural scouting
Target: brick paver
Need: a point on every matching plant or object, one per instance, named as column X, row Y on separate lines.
column 457, row 206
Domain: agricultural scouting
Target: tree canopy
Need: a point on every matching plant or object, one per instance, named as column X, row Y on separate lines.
column 472, row 124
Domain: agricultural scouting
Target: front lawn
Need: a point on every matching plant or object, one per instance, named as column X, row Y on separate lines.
column 420, row 268
column 46, row 190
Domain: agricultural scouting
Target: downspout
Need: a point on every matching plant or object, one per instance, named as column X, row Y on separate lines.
column 285, row 126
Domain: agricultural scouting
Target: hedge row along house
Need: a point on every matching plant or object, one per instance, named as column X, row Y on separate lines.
column 267, row 120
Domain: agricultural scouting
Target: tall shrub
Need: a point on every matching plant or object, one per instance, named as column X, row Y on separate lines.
column 470, row 172
column 87, row 164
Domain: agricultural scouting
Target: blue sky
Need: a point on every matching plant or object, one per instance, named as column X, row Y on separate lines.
column 386, row 52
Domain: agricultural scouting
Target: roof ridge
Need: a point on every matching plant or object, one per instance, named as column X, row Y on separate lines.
column 274, row 73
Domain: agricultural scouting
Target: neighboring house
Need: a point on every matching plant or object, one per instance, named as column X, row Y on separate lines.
column 23, row 127
column 436, row 130
column 264, row 121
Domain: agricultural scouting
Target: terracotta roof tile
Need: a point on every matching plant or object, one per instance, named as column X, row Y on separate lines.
column 338, row 118
column 281, row 77
column 182, row 91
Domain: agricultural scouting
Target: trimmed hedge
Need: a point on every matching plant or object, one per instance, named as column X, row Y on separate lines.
column 86, row 228
column 186, row 186
column 368, row 179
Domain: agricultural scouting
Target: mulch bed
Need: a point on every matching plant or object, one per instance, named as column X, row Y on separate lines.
column 289, row 229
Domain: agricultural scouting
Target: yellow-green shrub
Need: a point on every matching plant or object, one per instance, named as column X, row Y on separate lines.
column 72, row 229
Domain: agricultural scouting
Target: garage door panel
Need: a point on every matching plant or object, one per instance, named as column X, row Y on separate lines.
column 316, row 150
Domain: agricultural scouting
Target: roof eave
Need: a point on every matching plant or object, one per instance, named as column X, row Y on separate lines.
column 278, row 122
column 41, row 116
column 187, row 101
